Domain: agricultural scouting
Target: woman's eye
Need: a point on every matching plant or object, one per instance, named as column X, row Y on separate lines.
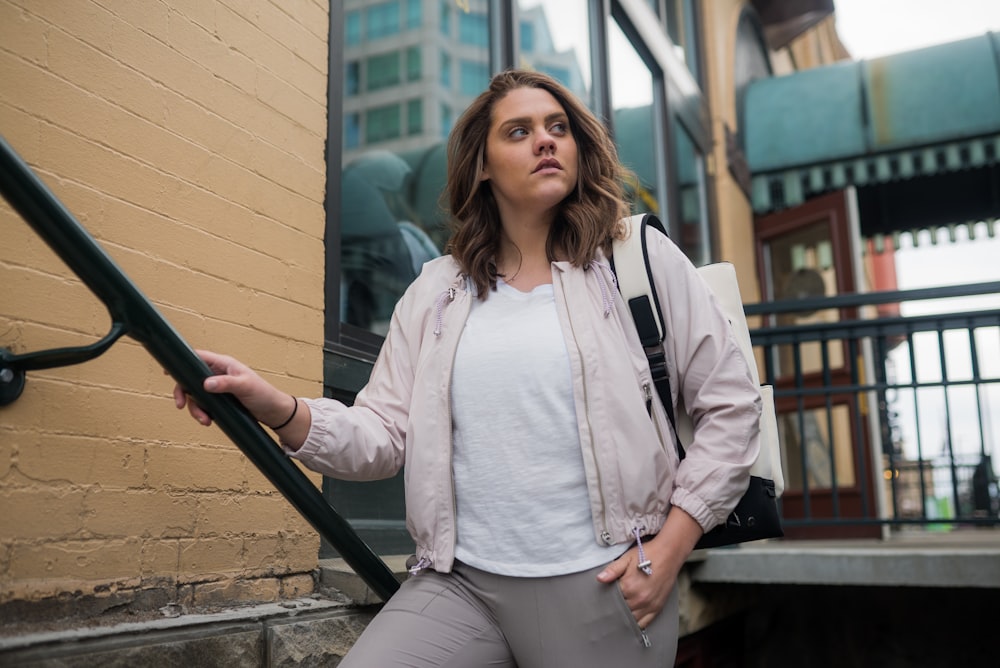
column 518, row 132
column 559, row 128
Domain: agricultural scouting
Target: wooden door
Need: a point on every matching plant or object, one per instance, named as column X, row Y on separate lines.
column 808, row 252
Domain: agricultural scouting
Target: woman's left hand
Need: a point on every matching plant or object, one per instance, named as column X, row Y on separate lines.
column 667, row 551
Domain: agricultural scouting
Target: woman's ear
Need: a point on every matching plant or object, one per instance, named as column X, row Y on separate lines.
column 481, row 166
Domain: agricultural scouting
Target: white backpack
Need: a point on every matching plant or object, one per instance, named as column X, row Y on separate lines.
column 635, row 282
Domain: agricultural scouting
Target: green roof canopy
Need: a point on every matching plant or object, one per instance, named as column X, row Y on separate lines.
column 914, row 116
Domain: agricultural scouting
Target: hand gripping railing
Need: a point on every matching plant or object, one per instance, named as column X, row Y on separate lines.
column 133, row 314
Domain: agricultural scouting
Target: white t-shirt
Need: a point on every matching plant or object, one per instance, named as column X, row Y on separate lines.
column 520, row 488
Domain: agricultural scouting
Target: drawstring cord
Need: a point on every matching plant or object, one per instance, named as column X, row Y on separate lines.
column 644, row 565
column 421, row 564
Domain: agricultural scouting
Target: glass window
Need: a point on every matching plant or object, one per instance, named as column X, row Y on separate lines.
column 383, row 20
column 414, row 117
column 414, row 13
column 681, row 28
column 634, row 123
column 694, row 232
column 352, row 78
column 817, row 446
column 382, row 71
column 382, row 123
column 474, row 77
column 555, row 39
column 527, row 37
column 352, row 28
column 445, row 70
column 414, row 64
column 445, row 23
column 352, row 131
column 473, row 29
column 799, row 264
column 447, row 119
column 393, row 161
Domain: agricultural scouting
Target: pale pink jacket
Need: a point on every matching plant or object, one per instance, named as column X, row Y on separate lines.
column 403, row 415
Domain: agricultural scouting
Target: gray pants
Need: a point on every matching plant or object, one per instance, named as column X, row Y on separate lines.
column 469, row 618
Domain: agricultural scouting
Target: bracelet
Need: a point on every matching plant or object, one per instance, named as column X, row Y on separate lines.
column 290, row 417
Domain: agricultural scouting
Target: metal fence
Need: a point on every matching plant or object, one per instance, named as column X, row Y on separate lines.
column 886, row 419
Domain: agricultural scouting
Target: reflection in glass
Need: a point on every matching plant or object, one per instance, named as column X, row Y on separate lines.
column 694, row 232
column 555, row 39
column 411, row 67
column 818, row 446
column 682, row 31
column 799, row 265
column 634, row 116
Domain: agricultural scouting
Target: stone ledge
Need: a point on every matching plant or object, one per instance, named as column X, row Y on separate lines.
column 335, row 573
column 291, row 633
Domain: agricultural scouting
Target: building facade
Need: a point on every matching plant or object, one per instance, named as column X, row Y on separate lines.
column 269, row 173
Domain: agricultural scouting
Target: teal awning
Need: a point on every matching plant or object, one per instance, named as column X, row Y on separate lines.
column 909, row 116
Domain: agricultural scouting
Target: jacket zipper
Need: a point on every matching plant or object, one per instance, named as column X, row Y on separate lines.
column 605, row 534
column 451, row 436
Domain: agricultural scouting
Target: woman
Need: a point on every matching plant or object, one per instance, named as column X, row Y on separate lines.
column 550, row 512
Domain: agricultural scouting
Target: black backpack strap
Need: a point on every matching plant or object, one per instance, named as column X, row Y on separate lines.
column 646, row 314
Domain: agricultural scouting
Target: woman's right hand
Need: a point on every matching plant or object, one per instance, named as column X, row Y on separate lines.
column 265, row 402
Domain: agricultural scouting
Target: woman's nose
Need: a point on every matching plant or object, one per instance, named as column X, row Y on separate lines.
column 544, row 142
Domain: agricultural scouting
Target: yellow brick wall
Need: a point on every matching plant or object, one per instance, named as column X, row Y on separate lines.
column 188, row 137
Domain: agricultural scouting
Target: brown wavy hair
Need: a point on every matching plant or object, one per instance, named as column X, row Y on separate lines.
column 588, row 217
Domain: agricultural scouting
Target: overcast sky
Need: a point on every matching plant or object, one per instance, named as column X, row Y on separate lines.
column 873, row 28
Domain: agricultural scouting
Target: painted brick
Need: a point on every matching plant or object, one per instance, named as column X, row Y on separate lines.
column 298, row 242
column 202, row 469
column 309, row 46
column 146, row 513
column 313, row 16
column 252, row 514
column 12, row 440
column 283, row 317
column 102, row 169
column 288, row 171
column 56, row 512
column 75, row 562
column 86, row 20
column 197, row 11
column 300, row 550
column 23, row 34
column 208, row 50
column 258, row 589
column 256, row 480
column 23, row 132
column 95, row 71
column 275, row 55
column 209, row 555
column 82, row 460
column 263, row 556
column 290, row 101
column 296, row 586
column 53, row 300
column 159, row 558
column 193, row 185
column 149, row 17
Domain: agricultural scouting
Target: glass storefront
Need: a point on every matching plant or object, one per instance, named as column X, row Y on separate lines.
column 410, row 67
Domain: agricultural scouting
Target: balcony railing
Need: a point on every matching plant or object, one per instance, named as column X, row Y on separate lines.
column 886, row 420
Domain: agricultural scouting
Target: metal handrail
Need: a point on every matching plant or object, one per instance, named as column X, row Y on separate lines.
column 135, row 315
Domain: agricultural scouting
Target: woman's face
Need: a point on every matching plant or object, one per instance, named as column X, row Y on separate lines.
column 531, row 156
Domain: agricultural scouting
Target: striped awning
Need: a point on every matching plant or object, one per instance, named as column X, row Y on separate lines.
column 909, row 116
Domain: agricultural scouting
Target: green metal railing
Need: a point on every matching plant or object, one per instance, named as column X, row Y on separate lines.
column 133, row 314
